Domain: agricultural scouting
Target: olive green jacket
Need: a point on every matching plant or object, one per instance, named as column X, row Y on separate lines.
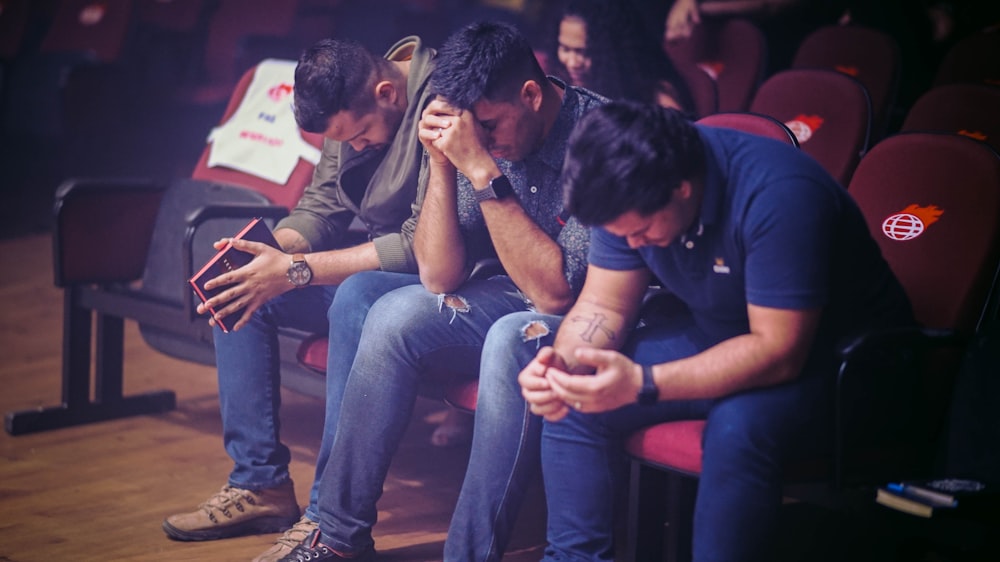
column 383, row 182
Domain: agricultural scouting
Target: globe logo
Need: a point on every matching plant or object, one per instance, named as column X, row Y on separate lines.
column 902, row 226
column 804, row 126
column 801, row 131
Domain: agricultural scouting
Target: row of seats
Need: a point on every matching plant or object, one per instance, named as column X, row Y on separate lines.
column 733, row 53
column 839, row 95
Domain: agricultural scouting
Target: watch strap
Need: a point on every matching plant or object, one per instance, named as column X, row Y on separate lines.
column 649, row 394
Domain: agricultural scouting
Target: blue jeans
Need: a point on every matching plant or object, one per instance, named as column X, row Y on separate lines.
column 505, row 441
column 748, row 438
column 249, row 374
column 250, row 382
column 409, row 336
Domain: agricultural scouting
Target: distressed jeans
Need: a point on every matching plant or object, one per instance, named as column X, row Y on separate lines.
column 249, row 375
column 410, row 335
column 505, row 441
column 250, row 382
column 748, row 439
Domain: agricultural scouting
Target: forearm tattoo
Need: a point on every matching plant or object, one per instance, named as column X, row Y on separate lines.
column 592, row 326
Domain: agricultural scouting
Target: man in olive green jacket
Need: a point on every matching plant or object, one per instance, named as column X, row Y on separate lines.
column 368, row 109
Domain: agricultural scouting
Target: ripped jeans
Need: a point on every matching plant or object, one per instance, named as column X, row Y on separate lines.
column 410, row 335
column 505, row 442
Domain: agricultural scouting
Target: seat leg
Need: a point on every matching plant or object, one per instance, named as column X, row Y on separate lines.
column 77, row 408
column 646, row 514
column 681, row 492
column 660, row 515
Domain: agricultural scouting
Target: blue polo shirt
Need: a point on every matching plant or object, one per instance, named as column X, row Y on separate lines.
column 774, row 230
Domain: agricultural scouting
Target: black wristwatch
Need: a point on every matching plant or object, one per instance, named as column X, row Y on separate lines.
column 299, row 273
column 650, row 393
column 498, row 188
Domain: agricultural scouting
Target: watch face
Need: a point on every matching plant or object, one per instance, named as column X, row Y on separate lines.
column 299, row 273
column 498, row 188
column 501, row 187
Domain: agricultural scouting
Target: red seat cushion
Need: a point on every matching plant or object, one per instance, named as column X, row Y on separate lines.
column 462, row 395
column 312, row 353
column 674, row 444
column 677, row 445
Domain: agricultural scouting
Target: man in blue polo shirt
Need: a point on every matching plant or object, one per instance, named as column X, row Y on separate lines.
column 773, row 263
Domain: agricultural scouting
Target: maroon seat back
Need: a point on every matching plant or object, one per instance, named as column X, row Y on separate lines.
column 704, row 92
column 973, row 58
column 286, row 194
column 868, row 54
column 99, row 29
column 173, row 15
column 755, row 123
column 732, row 51
column 966, row 109
column 230, row 27
column 933, row 204
column 829, row 112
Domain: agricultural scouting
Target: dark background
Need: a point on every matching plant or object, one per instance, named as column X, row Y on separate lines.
column 63, row 113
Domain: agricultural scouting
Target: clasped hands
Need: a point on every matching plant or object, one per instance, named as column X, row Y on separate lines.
column 453, row 136
column 250, row 286
column 551, row 390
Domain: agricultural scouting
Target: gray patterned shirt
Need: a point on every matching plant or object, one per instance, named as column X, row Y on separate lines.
column 536, row 182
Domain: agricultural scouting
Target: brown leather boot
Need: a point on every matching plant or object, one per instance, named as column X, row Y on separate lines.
column 233, row 512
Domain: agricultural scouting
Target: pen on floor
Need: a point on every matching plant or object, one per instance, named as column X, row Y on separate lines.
column 929, row 495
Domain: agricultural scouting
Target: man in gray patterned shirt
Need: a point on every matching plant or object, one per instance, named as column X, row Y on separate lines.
column 495, row 138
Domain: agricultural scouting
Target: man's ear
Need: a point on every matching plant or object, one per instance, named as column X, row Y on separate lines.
column 531, row 95
column 684, row 189
column 385, row 93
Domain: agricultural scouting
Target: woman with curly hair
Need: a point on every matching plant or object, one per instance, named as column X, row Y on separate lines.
column 602, row 45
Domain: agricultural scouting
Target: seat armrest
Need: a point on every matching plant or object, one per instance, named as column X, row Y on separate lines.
column 855, row 347
column 200, row 216
column 204, row 214
column 102, row 229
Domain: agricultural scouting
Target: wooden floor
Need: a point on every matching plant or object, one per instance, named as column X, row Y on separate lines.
column 100, row 492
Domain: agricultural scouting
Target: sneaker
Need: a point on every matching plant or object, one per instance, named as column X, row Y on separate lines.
column 286, row 542
column 311, row 550
column 233, row 512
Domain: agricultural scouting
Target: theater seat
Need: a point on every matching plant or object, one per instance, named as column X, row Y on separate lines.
column 961, row 108
column 828, row 111
column 732, row 52
column 865, row 53
column 972, row 59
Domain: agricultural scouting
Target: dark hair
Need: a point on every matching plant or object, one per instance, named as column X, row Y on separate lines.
column 331, row 76
column 628, row 156
column 484, row 60
column 627, row 63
